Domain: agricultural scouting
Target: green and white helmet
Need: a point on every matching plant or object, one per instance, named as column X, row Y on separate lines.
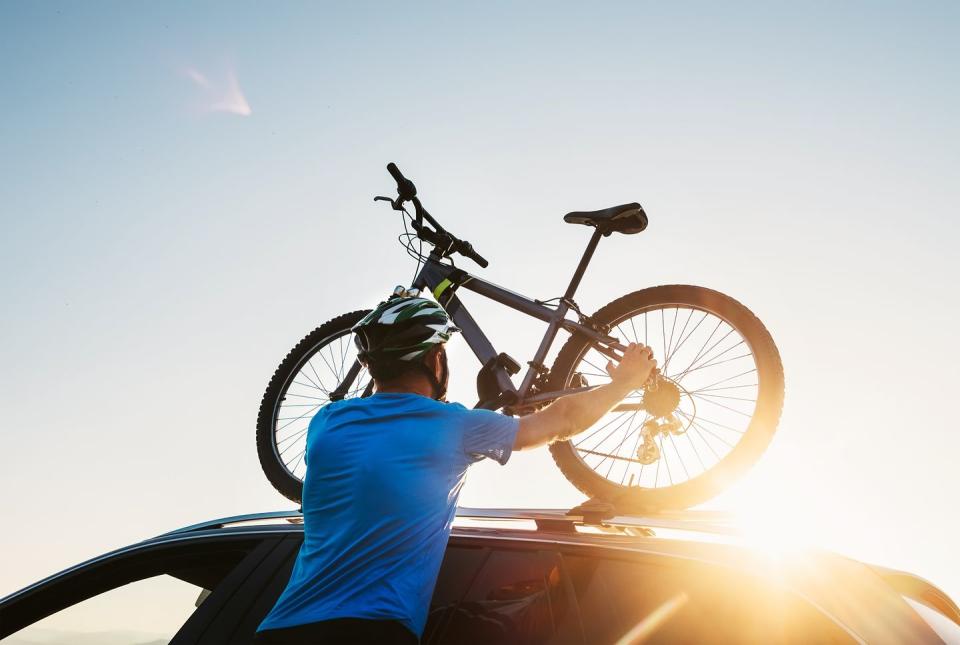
column 402, row 329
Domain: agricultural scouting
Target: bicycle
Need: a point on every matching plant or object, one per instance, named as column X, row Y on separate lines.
column 721, row 421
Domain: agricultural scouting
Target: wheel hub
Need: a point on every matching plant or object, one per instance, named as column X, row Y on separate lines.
column 661, row 398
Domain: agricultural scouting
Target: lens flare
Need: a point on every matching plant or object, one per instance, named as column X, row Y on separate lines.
column 226, row 96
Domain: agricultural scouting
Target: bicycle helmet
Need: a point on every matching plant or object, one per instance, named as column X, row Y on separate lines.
column 399, row 333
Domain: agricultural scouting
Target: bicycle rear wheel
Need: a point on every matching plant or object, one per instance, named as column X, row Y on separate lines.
column 722, row 383
column 301, row 385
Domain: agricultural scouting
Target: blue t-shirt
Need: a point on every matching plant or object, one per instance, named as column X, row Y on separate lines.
column 380, row 493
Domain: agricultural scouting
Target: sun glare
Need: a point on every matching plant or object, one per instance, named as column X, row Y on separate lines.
column 768, row 521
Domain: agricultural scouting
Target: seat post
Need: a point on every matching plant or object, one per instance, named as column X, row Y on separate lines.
column 584, row 261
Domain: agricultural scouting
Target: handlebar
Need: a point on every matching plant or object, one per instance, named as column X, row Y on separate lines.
column 440, row 238
column 467, row 250
column 405, row 188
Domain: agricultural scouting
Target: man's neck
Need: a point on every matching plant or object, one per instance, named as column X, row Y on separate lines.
column 407, row 386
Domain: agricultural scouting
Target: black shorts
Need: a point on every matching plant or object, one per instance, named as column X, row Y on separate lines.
column 340, row 631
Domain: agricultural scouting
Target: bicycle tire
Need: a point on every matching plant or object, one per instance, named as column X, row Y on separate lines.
column 277, row 472
column 755, row 439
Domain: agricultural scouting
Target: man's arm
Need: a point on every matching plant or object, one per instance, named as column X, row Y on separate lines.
column 572, row 414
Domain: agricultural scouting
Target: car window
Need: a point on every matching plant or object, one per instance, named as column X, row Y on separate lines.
column 517, row 597
column 146, row 611
column 146, row 595
column 665, row 601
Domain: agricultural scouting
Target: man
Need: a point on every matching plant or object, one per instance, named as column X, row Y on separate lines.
column 384, row 474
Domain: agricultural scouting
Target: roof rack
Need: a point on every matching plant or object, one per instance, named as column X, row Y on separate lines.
column 552, row 519
column 293, row 517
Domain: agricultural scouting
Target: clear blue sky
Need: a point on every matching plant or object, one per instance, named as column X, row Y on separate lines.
column 159, row 257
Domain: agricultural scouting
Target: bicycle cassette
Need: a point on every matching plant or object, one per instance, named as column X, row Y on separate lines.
column 661, row 397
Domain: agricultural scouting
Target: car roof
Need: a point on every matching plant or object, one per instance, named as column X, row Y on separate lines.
column 826, row 580
column 706, row 537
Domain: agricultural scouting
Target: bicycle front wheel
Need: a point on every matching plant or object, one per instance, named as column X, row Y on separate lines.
column 721, row 389
column 325, row 360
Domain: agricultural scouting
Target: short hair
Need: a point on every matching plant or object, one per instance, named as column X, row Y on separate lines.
column 391, row 370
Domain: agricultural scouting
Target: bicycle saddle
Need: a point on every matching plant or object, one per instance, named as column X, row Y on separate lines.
column 626, row 218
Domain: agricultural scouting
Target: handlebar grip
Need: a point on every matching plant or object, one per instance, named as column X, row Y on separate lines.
column 479, row 259
column 467, row 249
column 395, row 173
column 405, row 188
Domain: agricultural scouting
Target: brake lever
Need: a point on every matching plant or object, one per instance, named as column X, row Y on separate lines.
column 396, row 204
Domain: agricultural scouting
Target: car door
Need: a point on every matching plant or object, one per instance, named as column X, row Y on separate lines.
column 487, row 591
column 662, row 599
column 519, row 594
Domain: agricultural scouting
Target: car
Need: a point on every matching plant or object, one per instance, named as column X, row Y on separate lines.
column 509, row 576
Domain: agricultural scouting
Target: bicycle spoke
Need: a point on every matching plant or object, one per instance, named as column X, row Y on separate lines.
column 682, row 465
column 730, row 378
column 601, row 428
column 715, row 357
column 715, row 436
column 295, row 443
column 709, row 338
column 666, row 463
column 319, row 380
column 295, row 419
column 324, row 359
column 747, row 355
column 721, row 396
column 609, row 434
column 304, row 396
column 311, row 384
column 302, row 455
column 673, row 328
column 706, row 443
column 636, row 444
column 683, row 339
column 695, row 452
column 293, row 437
column 626, row 436
column 663, row 332
column 691, row 368
column 673, row 350
column 701, row 396
column 333, row 361
column 594, row 374
column 656, row 475
column 318, row 384
column 584, row 359
column 719, row 389
column 705, row 420
column 344, row 350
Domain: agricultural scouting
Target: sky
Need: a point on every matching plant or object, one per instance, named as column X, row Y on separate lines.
column 186, row 191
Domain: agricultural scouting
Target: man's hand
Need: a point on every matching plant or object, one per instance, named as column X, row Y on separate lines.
column 574, row 413
column 635, row 368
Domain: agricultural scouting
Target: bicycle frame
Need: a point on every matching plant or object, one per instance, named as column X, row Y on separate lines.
column 443, row 280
